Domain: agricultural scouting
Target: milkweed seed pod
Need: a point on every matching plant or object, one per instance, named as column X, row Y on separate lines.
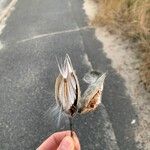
column 67, row 90
column 92, row 96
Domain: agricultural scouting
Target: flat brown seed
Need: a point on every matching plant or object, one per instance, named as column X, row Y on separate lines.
column 93, row 103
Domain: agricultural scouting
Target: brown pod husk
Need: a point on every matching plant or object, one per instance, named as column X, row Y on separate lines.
column 67, row 89
column 91, row 98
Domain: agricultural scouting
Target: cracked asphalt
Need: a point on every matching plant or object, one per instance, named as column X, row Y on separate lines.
column 36, row 32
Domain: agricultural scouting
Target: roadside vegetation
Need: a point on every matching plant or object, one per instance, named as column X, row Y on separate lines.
column 131, row 20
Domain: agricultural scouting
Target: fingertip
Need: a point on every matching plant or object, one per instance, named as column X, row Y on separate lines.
column 76, row 141
column 66, row 144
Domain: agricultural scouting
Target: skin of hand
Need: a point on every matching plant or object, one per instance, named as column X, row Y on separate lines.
column 61, row 141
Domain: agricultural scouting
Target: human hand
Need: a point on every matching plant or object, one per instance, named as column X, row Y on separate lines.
column 61, row 141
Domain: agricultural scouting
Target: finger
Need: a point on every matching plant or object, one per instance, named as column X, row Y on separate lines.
column 76, row 142
column 53, row 141
column 66, row 144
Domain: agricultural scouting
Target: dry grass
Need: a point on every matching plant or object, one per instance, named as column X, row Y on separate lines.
column 130, row 18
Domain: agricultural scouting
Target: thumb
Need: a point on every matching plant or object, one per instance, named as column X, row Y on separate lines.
column 66, row 144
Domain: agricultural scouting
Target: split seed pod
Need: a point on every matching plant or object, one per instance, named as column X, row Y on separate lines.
column 93, row 95
column 67, row 90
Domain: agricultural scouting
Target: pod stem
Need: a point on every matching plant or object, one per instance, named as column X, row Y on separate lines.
column 71, row 126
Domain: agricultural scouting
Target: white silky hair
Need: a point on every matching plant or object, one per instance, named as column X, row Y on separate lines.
column 94, row 77
column 56, row 116
column 65, row 68
column 91, row 77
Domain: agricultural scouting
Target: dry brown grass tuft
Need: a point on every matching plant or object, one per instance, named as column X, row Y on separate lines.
column 130, row 18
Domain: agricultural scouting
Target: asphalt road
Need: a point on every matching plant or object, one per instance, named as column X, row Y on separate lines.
column 36, row 32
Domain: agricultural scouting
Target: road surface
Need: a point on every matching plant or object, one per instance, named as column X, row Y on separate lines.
column 35, row 32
